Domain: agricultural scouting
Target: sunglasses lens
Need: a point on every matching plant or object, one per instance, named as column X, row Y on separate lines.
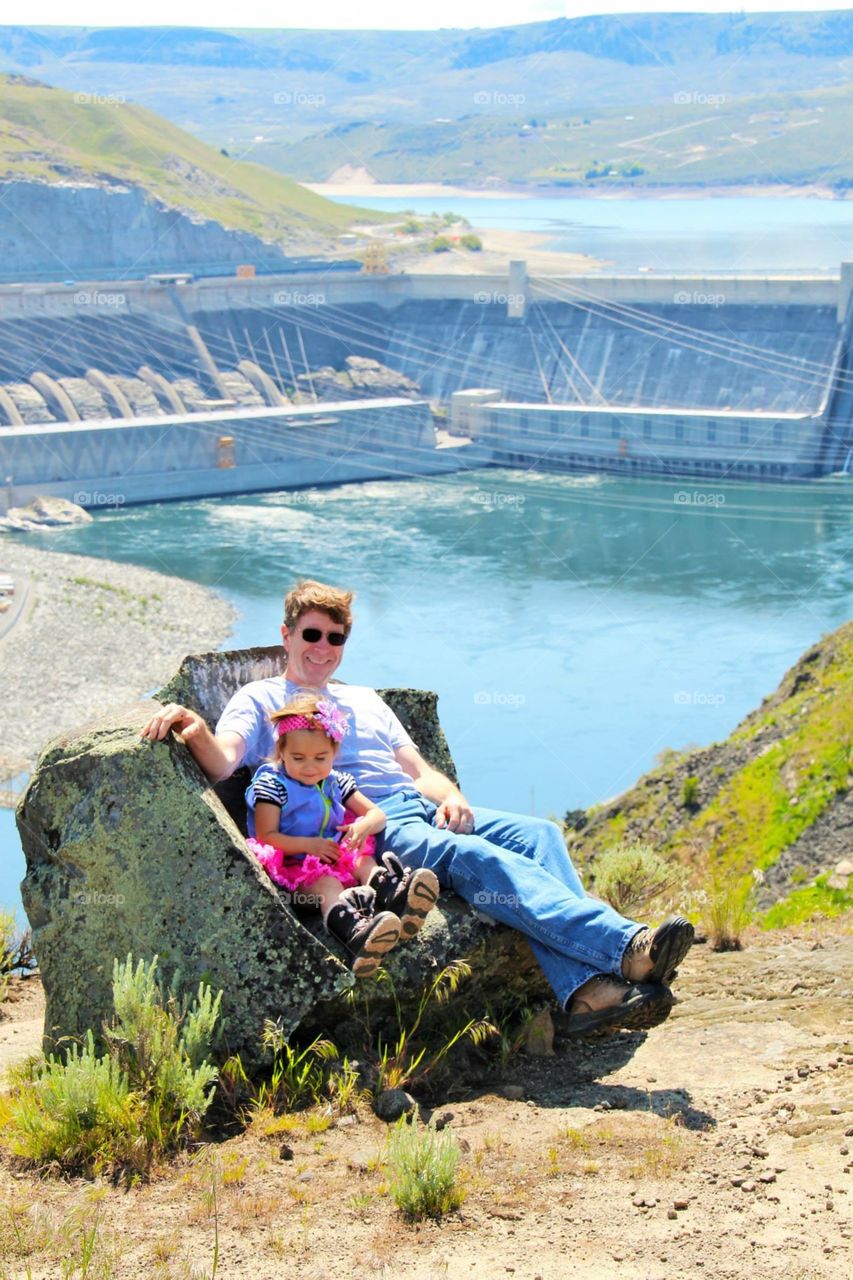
column 311, row 635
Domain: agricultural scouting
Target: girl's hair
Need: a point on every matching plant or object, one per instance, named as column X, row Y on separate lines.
column 309, row 594
column 321, row 714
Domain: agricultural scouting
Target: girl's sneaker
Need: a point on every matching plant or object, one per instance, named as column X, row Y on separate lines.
column 410, row 892
column 369, row 934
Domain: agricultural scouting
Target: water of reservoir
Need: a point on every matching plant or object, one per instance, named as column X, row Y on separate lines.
column 574, row 627
column 722, row 233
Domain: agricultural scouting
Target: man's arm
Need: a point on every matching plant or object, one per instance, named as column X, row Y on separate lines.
column 454, row 811
column 218, row 755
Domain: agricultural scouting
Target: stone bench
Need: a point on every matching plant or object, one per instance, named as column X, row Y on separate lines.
column 130, row 849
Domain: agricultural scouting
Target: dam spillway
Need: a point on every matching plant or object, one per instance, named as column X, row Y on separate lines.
column 685, row 376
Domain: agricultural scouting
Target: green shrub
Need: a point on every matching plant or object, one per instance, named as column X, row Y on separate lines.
column 122, row 1108
column 422, row 1166
column 440, row 244
column 690, row 792
column 634, row 877
column 470, row 241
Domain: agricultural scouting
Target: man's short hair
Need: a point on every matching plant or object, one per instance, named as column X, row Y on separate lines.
column 308, row 595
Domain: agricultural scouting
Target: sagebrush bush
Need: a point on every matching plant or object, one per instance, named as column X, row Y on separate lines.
column 422, row 1167
column 634, row 878
column 122, row 1108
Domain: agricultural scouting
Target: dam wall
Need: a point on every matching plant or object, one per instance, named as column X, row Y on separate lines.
column 113, row 464
column 734, row 344
column 730, row 375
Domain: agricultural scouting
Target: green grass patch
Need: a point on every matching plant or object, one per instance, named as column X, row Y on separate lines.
column 817, row 899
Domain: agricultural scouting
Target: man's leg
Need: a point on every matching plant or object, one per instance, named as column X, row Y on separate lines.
column 534, row 838
column 573, row 936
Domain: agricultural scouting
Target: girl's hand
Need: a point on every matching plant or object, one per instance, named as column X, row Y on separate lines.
column 325, row 850
column 355, row 834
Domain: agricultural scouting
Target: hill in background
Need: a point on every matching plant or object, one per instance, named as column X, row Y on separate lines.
column 49, row 135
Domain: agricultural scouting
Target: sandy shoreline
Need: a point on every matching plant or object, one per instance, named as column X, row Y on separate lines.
column 94, row 634
column 499, row 249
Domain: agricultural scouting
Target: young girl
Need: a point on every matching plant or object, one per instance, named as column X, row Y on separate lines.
column 312, row 830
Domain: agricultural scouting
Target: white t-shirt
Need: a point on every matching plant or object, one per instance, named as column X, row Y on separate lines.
column 367, row 751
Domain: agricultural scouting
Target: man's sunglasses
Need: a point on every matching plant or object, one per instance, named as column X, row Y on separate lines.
column 311, row 635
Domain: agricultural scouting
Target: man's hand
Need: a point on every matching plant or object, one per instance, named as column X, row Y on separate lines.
column 455, row 814
column 175, row 718
column 217, row 756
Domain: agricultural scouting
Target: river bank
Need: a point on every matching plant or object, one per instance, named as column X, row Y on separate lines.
column 93, row 635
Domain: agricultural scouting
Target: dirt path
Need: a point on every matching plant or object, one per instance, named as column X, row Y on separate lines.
column 719, row 1144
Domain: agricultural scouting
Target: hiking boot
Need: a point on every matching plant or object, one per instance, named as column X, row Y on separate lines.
column 604, row 1004
column 367, row 933
column 653, row 955
column 410, row 892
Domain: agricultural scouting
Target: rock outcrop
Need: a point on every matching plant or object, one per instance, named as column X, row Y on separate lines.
column 363, row 379
column 44, row 513
column 129, row 849
column 121, row 230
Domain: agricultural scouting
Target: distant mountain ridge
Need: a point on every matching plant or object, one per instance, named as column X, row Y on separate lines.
column 635, row 39
column 280, row 96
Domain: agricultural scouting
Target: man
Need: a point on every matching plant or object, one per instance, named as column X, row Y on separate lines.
column 604, row 969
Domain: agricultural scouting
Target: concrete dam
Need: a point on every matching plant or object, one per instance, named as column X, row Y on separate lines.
column 175, row 387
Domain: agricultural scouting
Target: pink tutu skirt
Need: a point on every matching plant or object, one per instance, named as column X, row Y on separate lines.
column 299, row 875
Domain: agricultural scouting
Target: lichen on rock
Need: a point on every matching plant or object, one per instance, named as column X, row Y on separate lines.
column 130, row 850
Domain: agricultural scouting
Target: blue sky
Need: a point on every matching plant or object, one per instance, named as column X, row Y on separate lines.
column 343, row 14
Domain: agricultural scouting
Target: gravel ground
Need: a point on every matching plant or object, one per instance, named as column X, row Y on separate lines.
column 93, row 634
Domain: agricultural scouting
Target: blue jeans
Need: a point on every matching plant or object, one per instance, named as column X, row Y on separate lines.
column 516, row 870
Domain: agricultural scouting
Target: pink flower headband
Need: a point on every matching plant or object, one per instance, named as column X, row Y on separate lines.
column 327, row 717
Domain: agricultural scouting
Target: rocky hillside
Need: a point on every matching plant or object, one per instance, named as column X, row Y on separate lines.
column 775, row 796
column 87, row 142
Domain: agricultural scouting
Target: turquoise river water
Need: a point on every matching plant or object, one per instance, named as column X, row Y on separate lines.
column 573, row 627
